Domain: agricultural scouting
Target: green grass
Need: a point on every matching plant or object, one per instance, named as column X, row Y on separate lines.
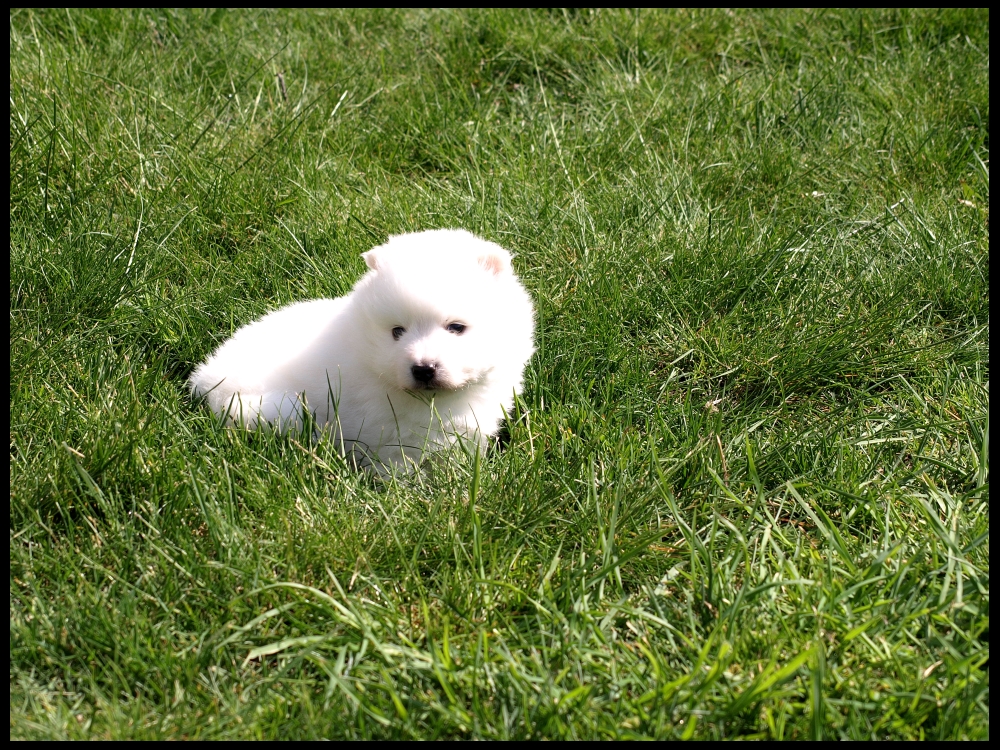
column 746, row 492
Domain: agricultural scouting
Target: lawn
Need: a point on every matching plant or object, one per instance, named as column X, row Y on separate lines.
column 745, row 493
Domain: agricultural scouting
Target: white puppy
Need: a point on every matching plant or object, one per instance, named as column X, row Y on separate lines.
column 429, row 347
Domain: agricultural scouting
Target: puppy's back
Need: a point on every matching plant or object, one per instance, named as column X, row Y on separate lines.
column 253, row 360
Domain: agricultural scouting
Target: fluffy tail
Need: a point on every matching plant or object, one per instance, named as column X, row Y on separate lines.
column 243, row 409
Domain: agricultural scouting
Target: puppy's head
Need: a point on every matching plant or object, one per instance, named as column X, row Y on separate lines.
column 442, row 310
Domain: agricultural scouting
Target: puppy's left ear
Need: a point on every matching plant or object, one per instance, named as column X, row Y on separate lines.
column 371, row 259
column 496, row 260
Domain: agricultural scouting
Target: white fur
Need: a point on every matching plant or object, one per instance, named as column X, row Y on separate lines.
column 339, row 357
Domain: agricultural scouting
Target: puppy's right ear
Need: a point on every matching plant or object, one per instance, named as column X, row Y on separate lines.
column 371, row 259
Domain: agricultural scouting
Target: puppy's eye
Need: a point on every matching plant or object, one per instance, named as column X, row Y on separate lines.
column 458, row 328
column 397, row 332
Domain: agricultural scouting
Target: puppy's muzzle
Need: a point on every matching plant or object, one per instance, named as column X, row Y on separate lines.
column 424, row 373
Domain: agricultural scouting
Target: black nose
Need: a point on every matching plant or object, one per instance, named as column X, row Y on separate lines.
column 423, row 373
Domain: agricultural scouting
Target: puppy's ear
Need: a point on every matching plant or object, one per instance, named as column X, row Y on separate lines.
column 371, row 259
column 496, row 260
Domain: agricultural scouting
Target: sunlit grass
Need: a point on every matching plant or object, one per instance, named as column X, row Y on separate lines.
column 746, row 491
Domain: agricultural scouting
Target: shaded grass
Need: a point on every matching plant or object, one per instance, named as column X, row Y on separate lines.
column 745, row 493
